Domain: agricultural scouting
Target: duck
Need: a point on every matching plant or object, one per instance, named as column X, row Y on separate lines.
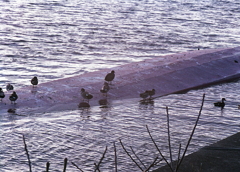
column 86, row 95
column 144, row 95
column 9, row 87
column 105, row 88
column 151, row 92
column 2, row 95
column 34, row 81
column 13, row 97
column 220, row 103
column 110, row 76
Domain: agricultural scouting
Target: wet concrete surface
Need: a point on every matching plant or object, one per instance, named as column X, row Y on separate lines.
column 166, row 74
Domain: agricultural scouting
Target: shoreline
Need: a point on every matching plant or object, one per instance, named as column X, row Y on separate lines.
column 167, row 74
column 221, row 156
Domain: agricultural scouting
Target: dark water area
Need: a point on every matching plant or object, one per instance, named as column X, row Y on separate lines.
column 59, row 39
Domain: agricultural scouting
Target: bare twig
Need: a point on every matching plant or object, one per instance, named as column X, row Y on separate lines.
column 137, row 157
column 29, row 162
column 47, row 166
column 115, row 155
column 65, row 164
column 151, row 165
column 190, row 138
column 130, row 155
column 179, row 152
column 159, row 149
column 169, row 140
column 158, row 161
column 97, row 165
column 77, row 166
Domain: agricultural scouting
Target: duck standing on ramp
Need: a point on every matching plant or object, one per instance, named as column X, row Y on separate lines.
column 2, row 95
column 110, row 76
column 34, row 81
column 105, row 88
column 13, row 97
column 9, row 87
column 151, row 93
column 86, row 95
column 144, row 95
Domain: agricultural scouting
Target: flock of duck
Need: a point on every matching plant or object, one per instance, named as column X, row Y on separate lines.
column 13, row 97
column 146, row 96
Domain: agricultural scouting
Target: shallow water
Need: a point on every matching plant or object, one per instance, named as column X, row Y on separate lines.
column 82, row 135
column 58, row 39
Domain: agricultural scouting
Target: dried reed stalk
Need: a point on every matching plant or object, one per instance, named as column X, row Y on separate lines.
column 47, row 166
column 169, row 140
column 178, row 159
column 29, row 162
column 65, row 165
column 76, row 166
column 159, row 149
column 97, row 165
column 137, row 157
column 151, row 165
column 190, row 138
column 115, row 155
column 130, row 155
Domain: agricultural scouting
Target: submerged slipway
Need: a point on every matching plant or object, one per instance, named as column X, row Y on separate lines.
column 166, row 74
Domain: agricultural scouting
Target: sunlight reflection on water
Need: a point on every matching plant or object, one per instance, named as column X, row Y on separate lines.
column 81, row 135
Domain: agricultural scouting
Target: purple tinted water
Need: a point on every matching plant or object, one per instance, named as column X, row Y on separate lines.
column 81, row 135
column 57, row 39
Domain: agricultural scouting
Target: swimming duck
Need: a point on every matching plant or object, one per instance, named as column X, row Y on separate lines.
column 9, row 87
column 110, row 76
column 151, row 92
column 105, row 88
column 2, row 95
column 34, row 81
column 221, row 103
column 86, row 95
column 13, row 97
column 144, row 95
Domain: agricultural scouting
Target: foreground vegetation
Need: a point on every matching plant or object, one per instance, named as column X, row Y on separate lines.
column 174, row 167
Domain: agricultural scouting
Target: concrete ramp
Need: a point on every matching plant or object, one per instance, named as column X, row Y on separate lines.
column 166, row 74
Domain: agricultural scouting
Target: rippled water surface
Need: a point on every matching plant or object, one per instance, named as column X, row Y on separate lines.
column 82, row 135
column 58, row 39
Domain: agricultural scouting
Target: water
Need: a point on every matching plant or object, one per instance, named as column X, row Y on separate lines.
column 58, row 39
column 82, row 135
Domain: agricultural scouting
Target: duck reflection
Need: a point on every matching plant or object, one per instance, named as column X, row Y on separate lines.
column 103, row 103
column 84, row 113
column 149, row 103
column 34, row 90
column 84, row 105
